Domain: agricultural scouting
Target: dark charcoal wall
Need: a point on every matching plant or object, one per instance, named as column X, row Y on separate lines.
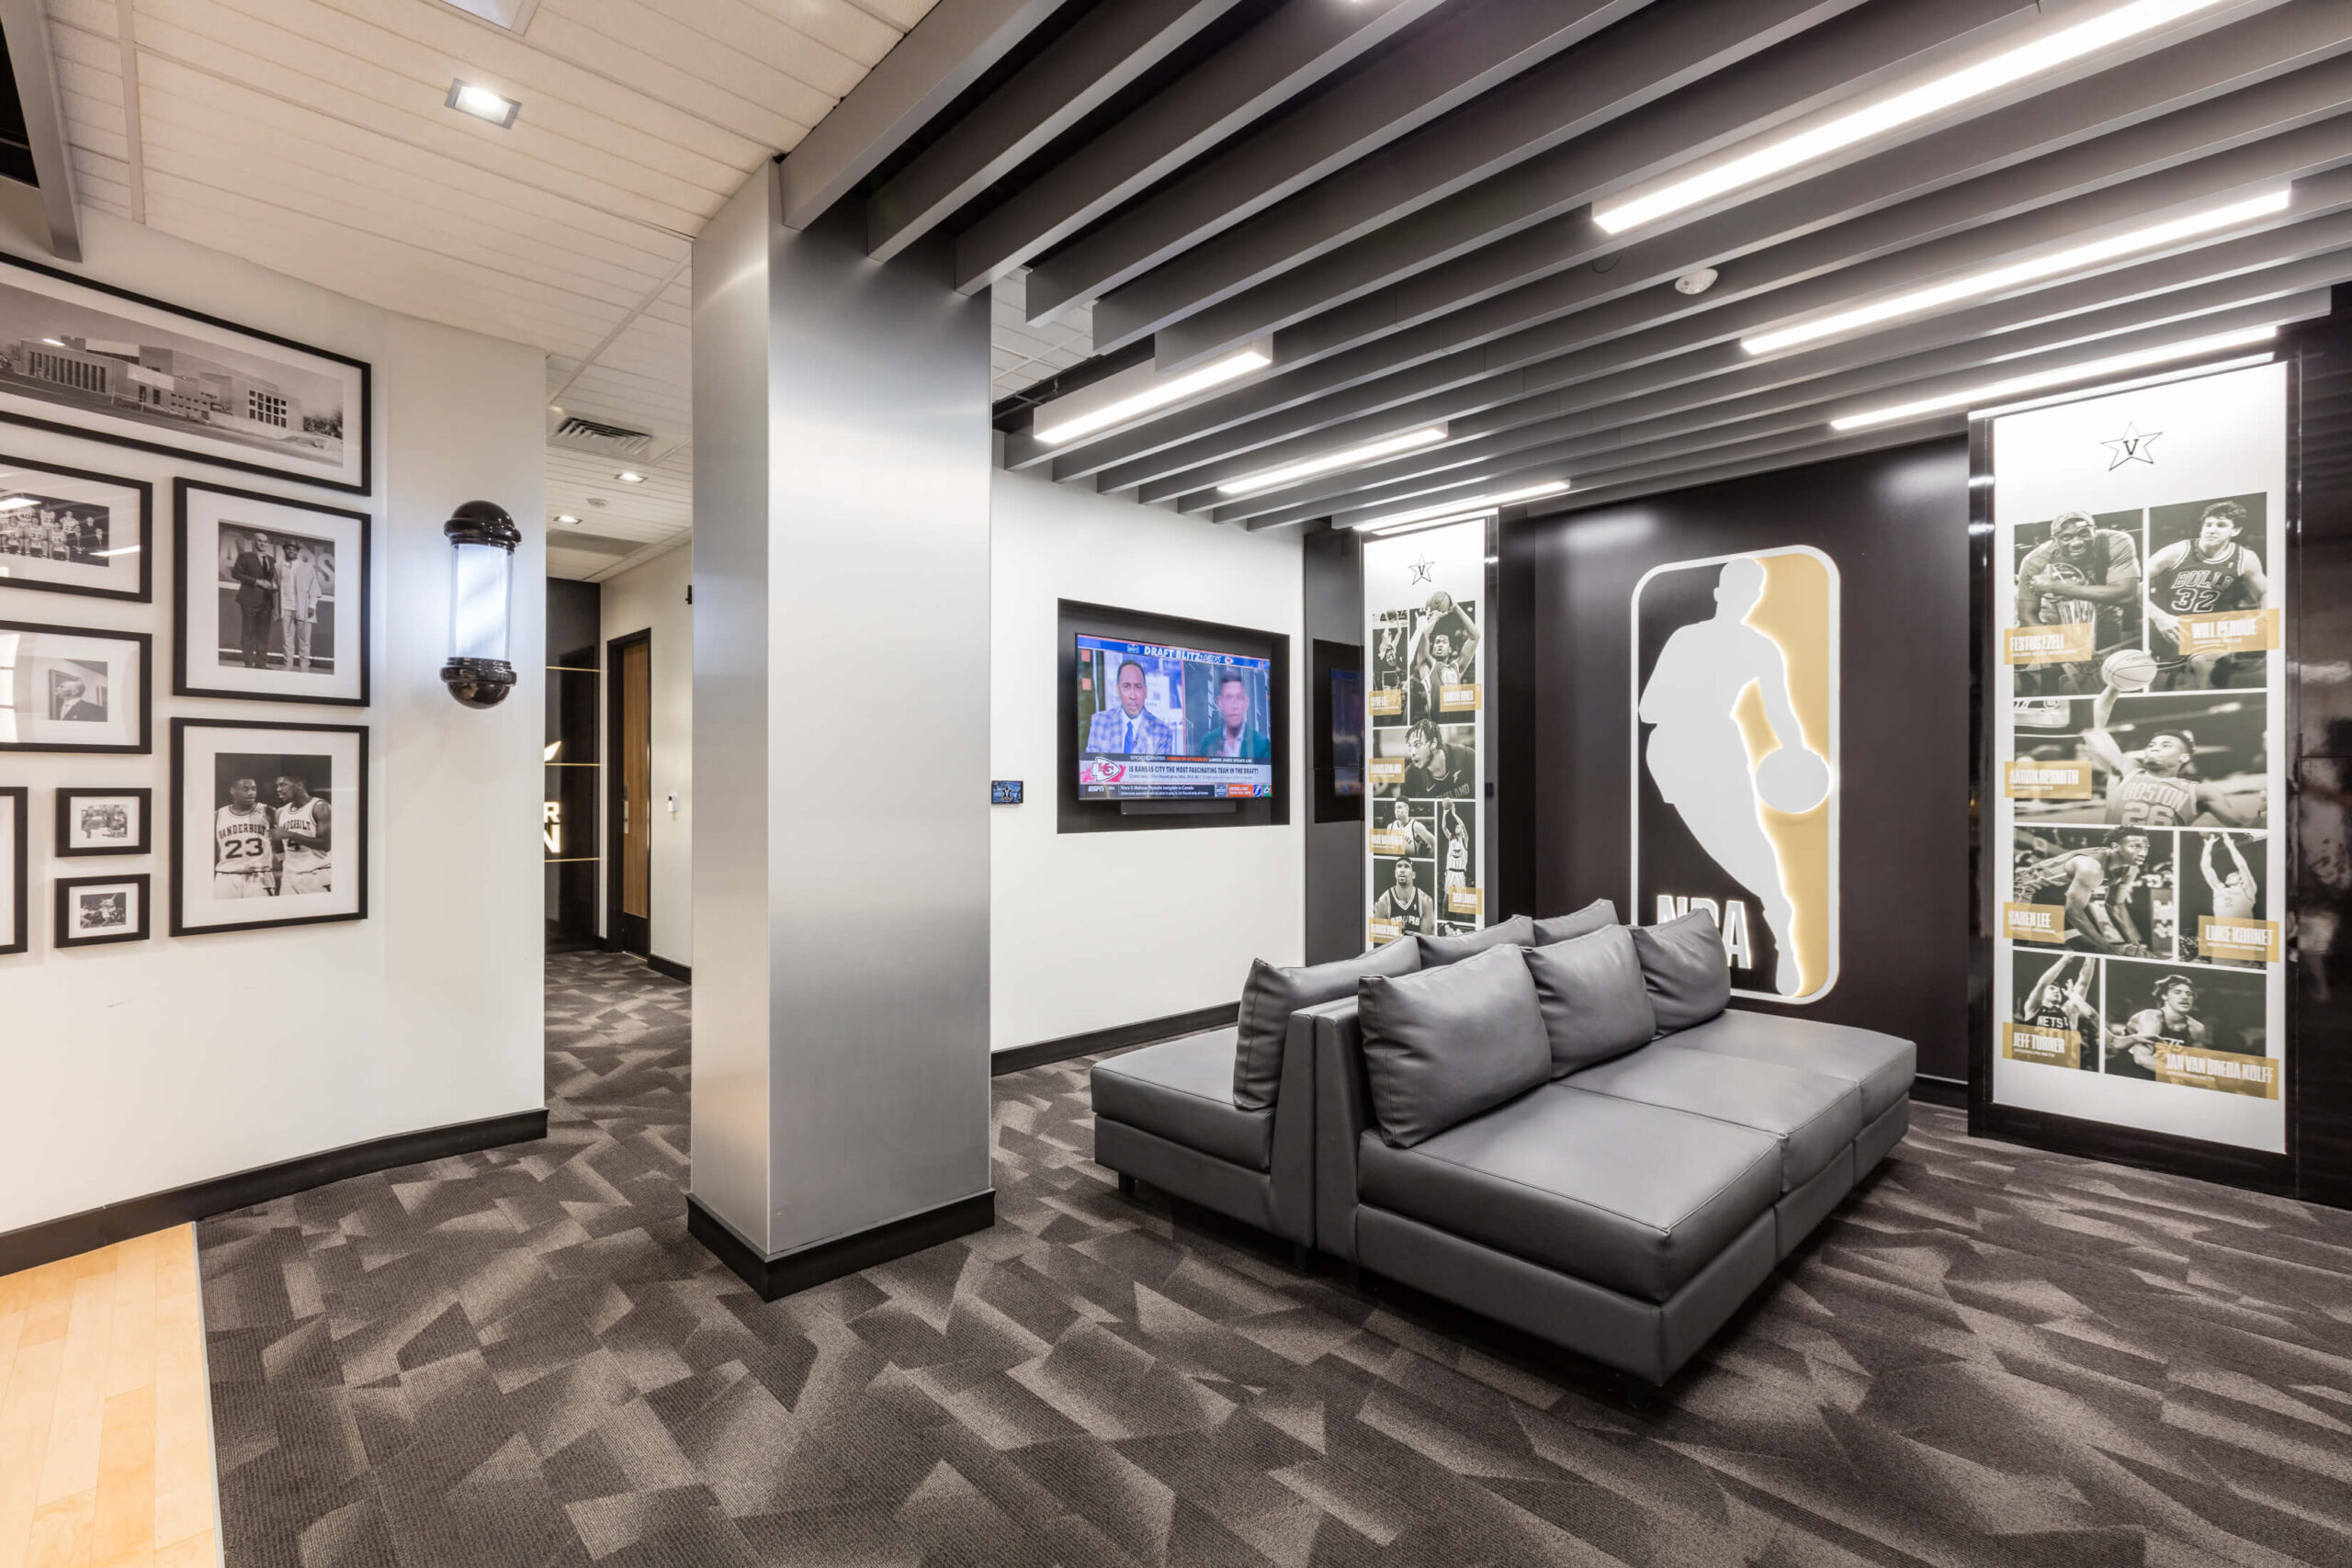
column 1896, row 524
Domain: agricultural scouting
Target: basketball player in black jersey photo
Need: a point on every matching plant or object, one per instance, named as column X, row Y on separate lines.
column 2202, row 558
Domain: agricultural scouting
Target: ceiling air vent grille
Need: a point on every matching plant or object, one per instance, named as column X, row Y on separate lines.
column 611, row 440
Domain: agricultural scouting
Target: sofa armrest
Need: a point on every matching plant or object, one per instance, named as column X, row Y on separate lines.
column 1342, row 1111
column 1294, row 1152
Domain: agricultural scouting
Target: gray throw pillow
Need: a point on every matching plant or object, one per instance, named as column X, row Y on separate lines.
column 1683, row 963
column 1273, row 993
column 1564, row 928
column 1443, row 1046
column 1517, row 931
column 1594, row 1001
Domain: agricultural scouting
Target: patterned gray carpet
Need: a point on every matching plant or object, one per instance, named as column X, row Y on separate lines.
column 1989, row 1357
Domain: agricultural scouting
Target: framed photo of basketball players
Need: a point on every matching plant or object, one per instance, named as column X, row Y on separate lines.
column 94, row 911
column 86, row 359
column 105, row 821
column 65, row 531
column 15, row 846
column 269, row 824
column 272, row 598
column 75, row 689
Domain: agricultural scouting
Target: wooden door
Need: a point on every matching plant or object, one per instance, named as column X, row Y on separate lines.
column 636, row 760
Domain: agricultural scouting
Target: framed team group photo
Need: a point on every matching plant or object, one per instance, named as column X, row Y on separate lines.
column 272, row 598
column 269, row 824
column 15, row 844
column 85, row 359
column 94, row 911
column 105, row 821
column 65, row 531
column 70, row 689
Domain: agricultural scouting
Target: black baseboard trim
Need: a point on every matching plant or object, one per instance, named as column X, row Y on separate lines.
column 681, row 973
column 53, row 1239
column 1174, row 1026
column 1930, row 1089
column 775, row 1278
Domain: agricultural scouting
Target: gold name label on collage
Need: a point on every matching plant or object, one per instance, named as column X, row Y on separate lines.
column 1391, row 841
column 1463, row 900
column 2254, row 941
column 1388, row 770
column 1384, row 932
column 2069, row 642
column 2034, row 922
column 2223, row 1071
column 1463, row 698
column 2229, row 631
column 2046, row 781
column 1384, row 700
column 2030, row 1043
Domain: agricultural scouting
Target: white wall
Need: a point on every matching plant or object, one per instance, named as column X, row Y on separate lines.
column 1093, row 930
column 653, row 597
column 136, row 1068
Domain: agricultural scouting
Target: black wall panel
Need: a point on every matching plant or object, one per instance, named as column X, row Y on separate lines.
column 1896, row 525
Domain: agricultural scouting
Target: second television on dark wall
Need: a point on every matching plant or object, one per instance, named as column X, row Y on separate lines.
column 1169, row 723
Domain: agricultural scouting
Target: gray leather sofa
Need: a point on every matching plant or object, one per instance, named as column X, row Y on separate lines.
column 1625, row 1202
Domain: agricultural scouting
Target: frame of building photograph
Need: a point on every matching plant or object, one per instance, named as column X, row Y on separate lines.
column 166, row 379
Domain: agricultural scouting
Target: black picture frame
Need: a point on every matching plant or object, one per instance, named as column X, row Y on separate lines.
column 183, row 565
column 64, row 937
column 146, row 642
column 364, row 424
column 358, row 820
column 146, row 592
column 15, row 819
column 68, row 794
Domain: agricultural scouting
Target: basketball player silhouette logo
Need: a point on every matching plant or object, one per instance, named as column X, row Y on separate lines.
column 1699, row 760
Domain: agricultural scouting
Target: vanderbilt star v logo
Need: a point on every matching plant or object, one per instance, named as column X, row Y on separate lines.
column 1423, row 567
column 2132, row 446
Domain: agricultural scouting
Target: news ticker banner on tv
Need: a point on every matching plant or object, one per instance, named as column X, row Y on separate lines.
column 1159, row 722
column 2138, row 555
column 1426, row 768
column 1734, row 713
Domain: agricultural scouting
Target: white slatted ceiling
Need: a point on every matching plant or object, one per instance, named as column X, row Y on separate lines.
column 313, row 136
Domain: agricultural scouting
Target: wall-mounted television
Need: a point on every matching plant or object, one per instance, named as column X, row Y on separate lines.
column 1161, row 721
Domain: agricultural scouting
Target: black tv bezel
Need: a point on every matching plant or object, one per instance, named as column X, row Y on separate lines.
column 1075, row 814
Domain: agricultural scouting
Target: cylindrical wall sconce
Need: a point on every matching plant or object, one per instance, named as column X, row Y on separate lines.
column 482, row 603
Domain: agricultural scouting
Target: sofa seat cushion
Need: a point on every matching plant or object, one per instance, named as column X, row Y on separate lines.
column 1634, row 1197
column 1183, row 1090
column 1882, row 1064
column 1814, row 1115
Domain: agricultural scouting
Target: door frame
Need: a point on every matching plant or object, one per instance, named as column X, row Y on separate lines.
column 615, row 778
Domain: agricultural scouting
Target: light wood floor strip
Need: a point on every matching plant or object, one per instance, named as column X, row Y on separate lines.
column 105, row 1439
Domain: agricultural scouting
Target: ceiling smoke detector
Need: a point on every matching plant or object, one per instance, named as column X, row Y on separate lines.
column 1697, row 282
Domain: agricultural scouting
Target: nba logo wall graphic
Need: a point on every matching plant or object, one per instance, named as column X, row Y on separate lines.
column 1736, row 761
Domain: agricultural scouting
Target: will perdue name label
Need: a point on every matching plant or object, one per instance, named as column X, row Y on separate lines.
column 2229, row 631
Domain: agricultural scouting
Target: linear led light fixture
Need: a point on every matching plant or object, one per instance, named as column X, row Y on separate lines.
column 1332, row 462
column 1394, row 529
column 1939, row 91
column 483, row 104
column 2017, row 386
column 2015, row 273
column 1463, row 506
column 1158, row 394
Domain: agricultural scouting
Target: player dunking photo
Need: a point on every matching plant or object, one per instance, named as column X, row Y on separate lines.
column 2157, row 785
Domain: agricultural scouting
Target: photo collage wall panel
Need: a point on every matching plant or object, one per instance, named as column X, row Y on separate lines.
column 1425, row 640
column 2139, row 567
column 269, row 602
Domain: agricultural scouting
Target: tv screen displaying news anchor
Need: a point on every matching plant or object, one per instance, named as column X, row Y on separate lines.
column 1163, row 723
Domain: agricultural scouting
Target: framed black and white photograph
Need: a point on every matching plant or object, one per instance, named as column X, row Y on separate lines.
column 67, row 689
column 89, row 360
column 271, row 599
column 95, row 910
column 16, row 847
column 269, row 824
column 65, row 531
column 105, row 821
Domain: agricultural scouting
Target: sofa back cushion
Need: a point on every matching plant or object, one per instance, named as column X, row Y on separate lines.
column 1517, row 931
column 1566, row 928
column 1594, row 1000
column 1273, row 993
column 1445, row 1045
column 1684, row 967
